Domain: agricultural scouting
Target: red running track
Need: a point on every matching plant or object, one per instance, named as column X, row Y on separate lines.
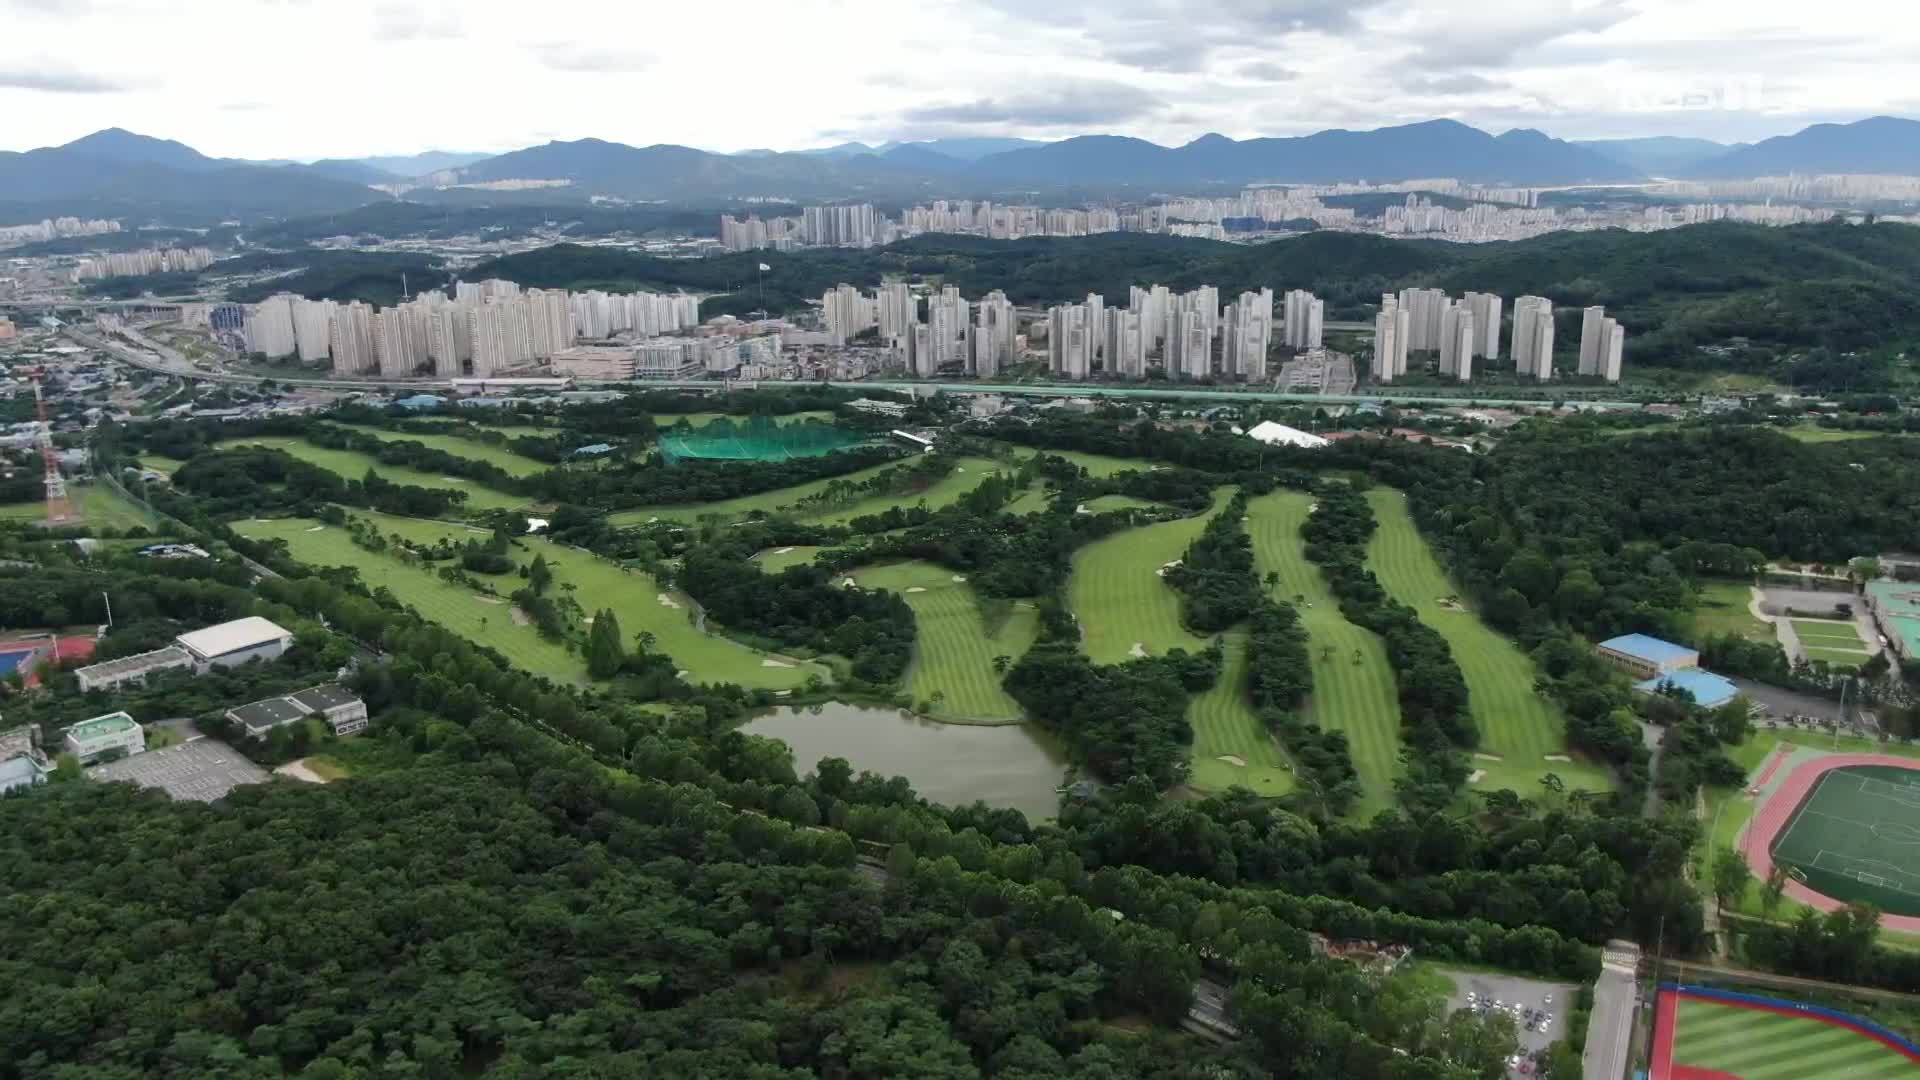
column 1774, row 813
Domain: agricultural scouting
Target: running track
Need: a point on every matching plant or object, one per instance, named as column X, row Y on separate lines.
column 1772, row 817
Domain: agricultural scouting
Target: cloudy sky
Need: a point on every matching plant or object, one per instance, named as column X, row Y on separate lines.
column 320, row 78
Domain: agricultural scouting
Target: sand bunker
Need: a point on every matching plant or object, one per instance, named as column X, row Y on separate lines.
column 846, row 583
column 298, row 770
column 489, row 599
column 774, row 663
column 317, row 528
column 1487, row 757
column 917, row 588
column 667, row 601
column 959, row 577
column 1234, row 759
column 1138, row 650
column 1478, row 775
column 519, row 617
column 782, row 551
column 1558, row 757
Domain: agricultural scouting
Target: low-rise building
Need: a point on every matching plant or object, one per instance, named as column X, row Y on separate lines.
column 1646, row 656
column 89, row 740
column 112, row 673
column 22, row 762
column 231, row 644
column 257, row 718
column 343, row 712
column 1707, row 689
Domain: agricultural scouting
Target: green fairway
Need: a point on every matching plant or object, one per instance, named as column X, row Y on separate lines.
column 352, row 465
column 1756, row 1044
column 1123, row 607
column 966, row 476
column 96, row 505
column 1231, row 748
column 160, row 463
column 1034, row 500
column 460, row 447
column 774, row 560
column 956, row 637
column 1722, row 608
column 1100, row 465
column 634, row 598
column 1354, row 691
column 1516, row 724
column 484, row 620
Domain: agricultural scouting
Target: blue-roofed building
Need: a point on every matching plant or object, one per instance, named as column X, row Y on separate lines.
column 1708, row 690
column 420, row 401
column 18, row 773
column 1646, row 656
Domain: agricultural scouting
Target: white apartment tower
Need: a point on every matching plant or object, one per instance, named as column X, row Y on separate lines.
column 993, row 333
column 1390, row 329
column 1155, row 307
column 1305, row 320
column 1486, row 323
column 313, row 329
column 1126, row 345
column 1533, row 337
column 550, row 322
column 1593, row 338
column 897, row 307
column 947, row 326
column 1070, row 341
column 393, row 342
column 846, row 313
column 1247, row 334
column 1424, row 308
column 1458, row 335
column 269, row 326
column 350, row 340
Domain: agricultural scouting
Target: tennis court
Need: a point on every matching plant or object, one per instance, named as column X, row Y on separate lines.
column 1856, row 837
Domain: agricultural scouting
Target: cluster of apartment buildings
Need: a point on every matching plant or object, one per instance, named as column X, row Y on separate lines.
column 485, row 327
column 859, row 225
column 145, row 261
column 1459, row 332
column 53, row 228
column 981, row 337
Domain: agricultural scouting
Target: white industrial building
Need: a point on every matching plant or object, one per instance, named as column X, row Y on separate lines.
column 1274, row 434
column 231, row 644
column 108, row 674
column 88, row 740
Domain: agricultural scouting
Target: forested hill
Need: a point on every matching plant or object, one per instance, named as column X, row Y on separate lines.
column 1830, row 286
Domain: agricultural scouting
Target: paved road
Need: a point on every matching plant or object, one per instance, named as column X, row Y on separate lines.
column 1610, row 1030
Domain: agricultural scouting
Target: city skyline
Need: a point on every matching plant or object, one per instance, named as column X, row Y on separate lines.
column 1573, row 68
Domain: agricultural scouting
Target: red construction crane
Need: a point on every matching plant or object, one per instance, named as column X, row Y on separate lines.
column 59, row 511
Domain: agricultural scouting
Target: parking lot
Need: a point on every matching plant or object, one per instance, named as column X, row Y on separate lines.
column 203, row 769
column 1511, row 991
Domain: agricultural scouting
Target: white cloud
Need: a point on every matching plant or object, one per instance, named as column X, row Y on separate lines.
column 329, row 78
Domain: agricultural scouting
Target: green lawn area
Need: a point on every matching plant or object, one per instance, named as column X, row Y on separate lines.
column 1101, row 465
column 1721, row 608
column 633, row 597
column 1515, row 722
column 1755, row 1044
column 1809, row 434
column 484, row 620
column 1832, row 633
column 1354, row 689
column 1850, row 658
column 461, row 447
column 957, row 635
column 1034, row 500
column 1116, row 593
column 160, row 463
column 353, row 465
column 1230, row 747
column 96, row 503
column 774, row 560
column 966, row 476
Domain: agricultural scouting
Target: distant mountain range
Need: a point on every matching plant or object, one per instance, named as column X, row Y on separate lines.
column 117, row 168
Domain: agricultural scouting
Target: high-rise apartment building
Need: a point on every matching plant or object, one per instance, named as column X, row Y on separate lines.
column 1458, row 335
column 839, row 226
column 897, row 307
column 1530, row 315
column 1593, row 338
column 1305, row 320
column 1390, row 330
column 313, row 329
column 1247, row 333
column 269, row 327
column 393, row 342
column 1155, row 306
column 1424, row 308
column 1070, row 341
column 1126, row 344
column 847, row 314
column 350, row 340
column 947, row 326
column 1486, row 323
column 1613, row 352
column 994, row 329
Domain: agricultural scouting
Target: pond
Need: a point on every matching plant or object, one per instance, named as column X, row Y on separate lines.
column 1011, row 766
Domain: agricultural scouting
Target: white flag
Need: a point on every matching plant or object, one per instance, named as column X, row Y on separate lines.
column 764, row 266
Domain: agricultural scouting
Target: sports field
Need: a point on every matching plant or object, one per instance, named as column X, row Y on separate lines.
column 1837, row 641
column 633, row 597
column 352, row 465
column 1230, row 747
column 96, row 503
column 1516, row 724
column 1123, row 607
column 1353, row 687
column 1856, row 836
column 1714, row 1039
column 461, row 447
column 956, row 637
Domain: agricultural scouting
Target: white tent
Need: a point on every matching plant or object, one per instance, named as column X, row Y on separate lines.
column 1281, row 435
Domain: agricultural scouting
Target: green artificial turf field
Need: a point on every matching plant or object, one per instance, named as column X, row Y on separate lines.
column 1516, row 724
column 1856, row 837
column 1755, row 1044
column 1116, row 593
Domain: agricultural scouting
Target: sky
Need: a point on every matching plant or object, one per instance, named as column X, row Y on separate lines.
column 306, row 79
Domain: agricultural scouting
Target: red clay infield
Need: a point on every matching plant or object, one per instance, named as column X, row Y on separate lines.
column 1772, row 816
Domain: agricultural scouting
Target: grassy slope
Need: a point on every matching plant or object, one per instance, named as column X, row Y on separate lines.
column 946, row 491
column 1722, row 609
column 1224, row 725
column 774, row 560
column 633, row 597
column 161, row 463
column 96, row 503
column 353, row 466
column 1515, row 722
column 1100, row 464
column 955, row 642
column 1757, row 1045
column 1121, row 601
column 1356, row 696
column 460, row 447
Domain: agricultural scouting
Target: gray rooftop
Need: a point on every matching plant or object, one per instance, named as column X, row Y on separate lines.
column 325, row 696
column 270, row 713
column 171, row 656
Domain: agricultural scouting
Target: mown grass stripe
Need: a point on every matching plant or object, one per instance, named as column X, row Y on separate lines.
column 1224, row 724
column 1119, row 598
